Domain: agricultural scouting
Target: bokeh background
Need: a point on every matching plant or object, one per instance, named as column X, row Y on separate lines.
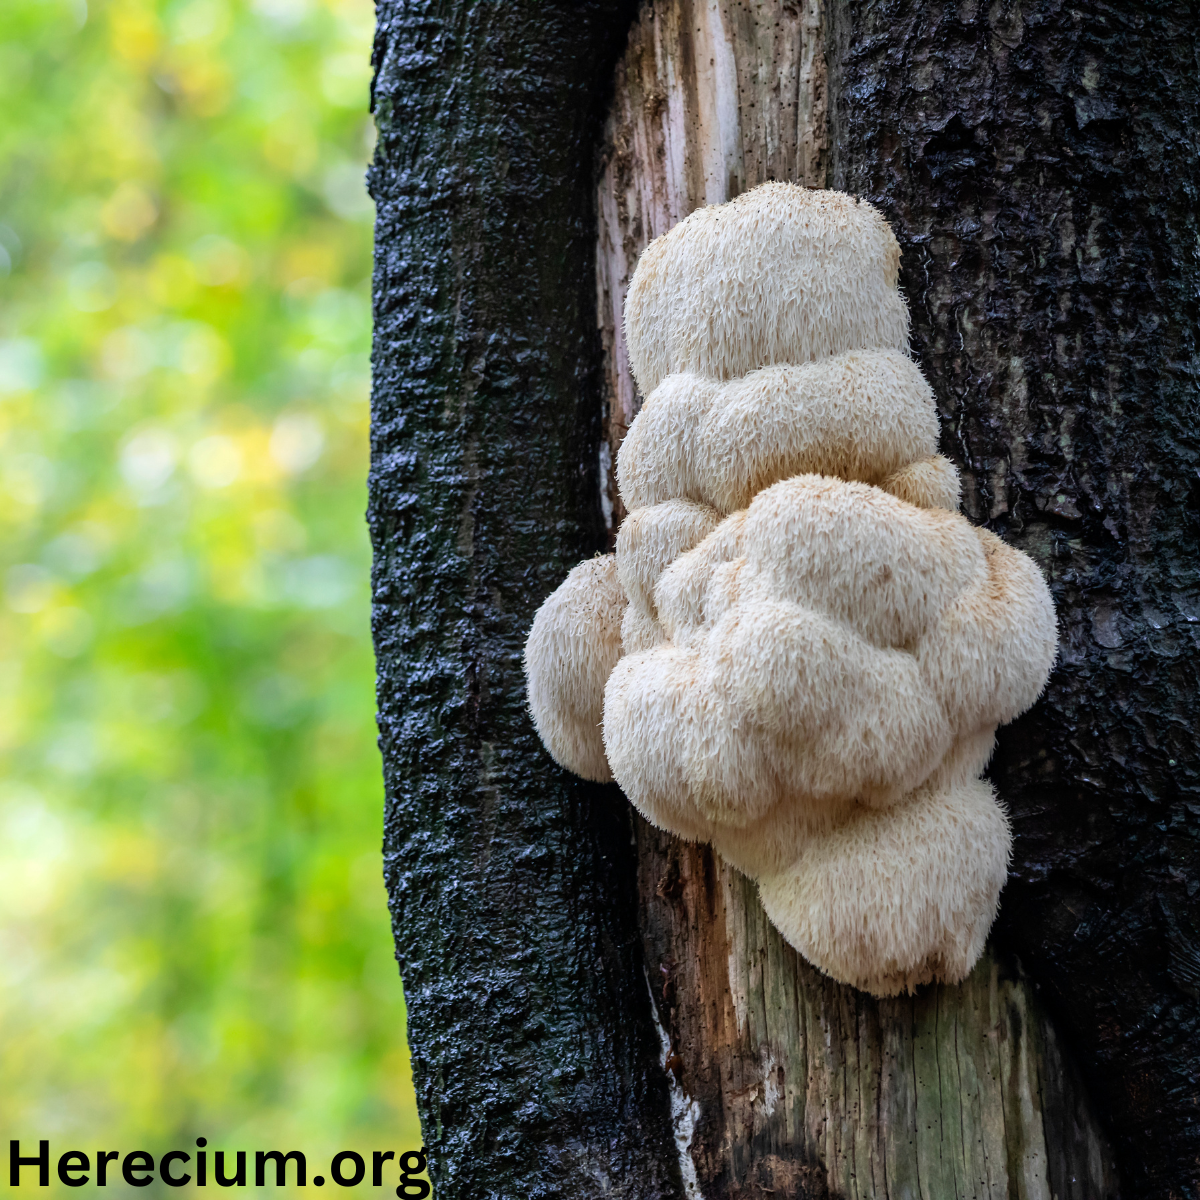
column 193, row 931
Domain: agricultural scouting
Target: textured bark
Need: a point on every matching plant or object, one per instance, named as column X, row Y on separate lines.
column 786, row 1083
column 512, row 885
column 1039, row 163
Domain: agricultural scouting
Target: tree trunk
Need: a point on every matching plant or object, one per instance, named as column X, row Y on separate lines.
column 1035, row 165
column 512, row 885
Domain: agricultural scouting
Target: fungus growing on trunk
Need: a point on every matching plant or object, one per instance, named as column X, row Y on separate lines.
column 815, row 648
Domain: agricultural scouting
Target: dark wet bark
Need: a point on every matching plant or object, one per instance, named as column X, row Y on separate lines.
column 512, row 885
column 1039, row 163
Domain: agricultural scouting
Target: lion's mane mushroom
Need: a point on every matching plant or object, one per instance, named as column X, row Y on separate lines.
column 814, row 647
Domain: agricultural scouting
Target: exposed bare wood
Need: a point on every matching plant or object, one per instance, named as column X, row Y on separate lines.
column 801, row 1087
column 711, row 97
column 786, row 1083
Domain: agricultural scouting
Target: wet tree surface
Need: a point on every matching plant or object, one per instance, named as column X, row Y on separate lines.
column 512, row 885
column 1039, row 164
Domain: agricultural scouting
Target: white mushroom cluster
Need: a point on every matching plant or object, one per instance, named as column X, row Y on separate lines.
column 800, row 651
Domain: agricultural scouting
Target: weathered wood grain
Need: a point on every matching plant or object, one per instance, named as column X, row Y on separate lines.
column 787, row 1084
column 710, row 98
column 798, row 1086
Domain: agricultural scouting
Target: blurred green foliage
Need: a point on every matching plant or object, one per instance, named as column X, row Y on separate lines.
column 193, row 936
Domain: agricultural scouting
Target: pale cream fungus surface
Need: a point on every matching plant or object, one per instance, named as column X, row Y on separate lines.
column 800, row 651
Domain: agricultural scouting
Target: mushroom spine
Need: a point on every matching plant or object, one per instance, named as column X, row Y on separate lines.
column 800, row 651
